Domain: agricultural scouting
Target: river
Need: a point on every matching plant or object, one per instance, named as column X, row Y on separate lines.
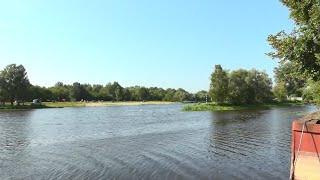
column 146, row 142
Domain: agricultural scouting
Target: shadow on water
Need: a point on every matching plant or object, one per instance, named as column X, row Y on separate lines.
column 223, row 118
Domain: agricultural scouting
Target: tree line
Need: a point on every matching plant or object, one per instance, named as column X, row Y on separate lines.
column 15, row 86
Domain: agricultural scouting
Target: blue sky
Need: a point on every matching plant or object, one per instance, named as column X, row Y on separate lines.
column 166, row 43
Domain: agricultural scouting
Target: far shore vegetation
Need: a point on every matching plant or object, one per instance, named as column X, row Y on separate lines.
column 103, row 103
column 28, row 105
column 16, row 92
column 229, row 90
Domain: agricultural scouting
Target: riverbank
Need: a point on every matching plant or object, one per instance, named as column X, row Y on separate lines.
column 81, row 104
column 101, row 104
column 229, row 107
column 21, row 107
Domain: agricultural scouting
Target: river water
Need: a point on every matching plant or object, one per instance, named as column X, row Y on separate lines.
column 146, row 142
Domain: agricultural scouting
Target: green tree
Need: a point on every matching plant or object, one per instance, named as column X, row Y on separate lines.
column 219, row 85
column 37, row 92
column 78, row 92
column 311, row 92
column 259, row 87
column 289, row 74
column 239, row 92
column 127, row 95
column 15, row 82
column 249, row 87
column 181, row 95
column 118, row 91
column 280, row 91
column 60, row 92
column 143, row 94
column 3, row 93
column 156, row 94
column 96, row 92
column 201, row 96
column 302, row 45
column 115, row 91
column 169, row 95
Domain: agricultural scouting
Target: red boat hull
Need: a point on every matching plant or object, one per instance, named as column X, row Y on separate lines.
column 305, row 149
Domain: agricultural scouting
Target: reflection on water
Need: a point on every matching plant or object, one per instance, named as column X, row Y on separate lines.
column 146, row 142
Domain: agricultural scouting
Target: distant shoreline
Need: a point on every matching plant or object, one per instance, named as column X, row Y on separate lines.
column 104, row 103
column 228, row 107
column 81, row 104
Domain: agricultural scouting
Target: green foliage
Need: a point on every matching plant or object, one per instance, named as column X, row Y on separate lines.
column 280, row 91
column 157, row 93
column 312, row 92
column 115, row 91
column 288, row 73
column 239, row 89
column 169, row 95
column 201, row 96
column 209, row 107
column 14, row 83
column 3, row 92
column 181, row 95
column 79, row 92
column 302, row 45
column 219, row 85
column 240, row 86
column 143, row 94
column 60, row 92
column 34, row 92
column 230, row 107
column 260, row 87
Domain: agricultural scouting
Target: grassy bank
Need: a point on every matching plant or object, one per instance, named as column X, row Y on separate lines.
column 229, row 107
column 99, row 104
column 80, row 104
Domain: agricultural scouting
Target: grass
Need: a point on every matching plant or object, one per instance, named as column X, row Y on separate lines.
column 64, row 104
column 229, row 107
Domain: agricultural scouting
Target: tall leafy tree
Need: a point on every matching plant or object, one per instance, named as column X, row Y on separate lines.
column 259, row 87
column 3, row 92
column 280, row 91
column 219, row 85
column 37, row 92
column 60, row 92
column 15, row 82
column 181, row 95
column 143, row 94
column 239, row 92
column 78, row 92
column 169, row 94
column 288, row 73
column 201, row 96
column 302, row 45
column 118, row 91
column 312, row 91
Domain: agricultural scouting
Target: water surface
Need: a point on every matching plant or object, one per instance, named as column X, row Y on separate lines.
column 146, row 142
